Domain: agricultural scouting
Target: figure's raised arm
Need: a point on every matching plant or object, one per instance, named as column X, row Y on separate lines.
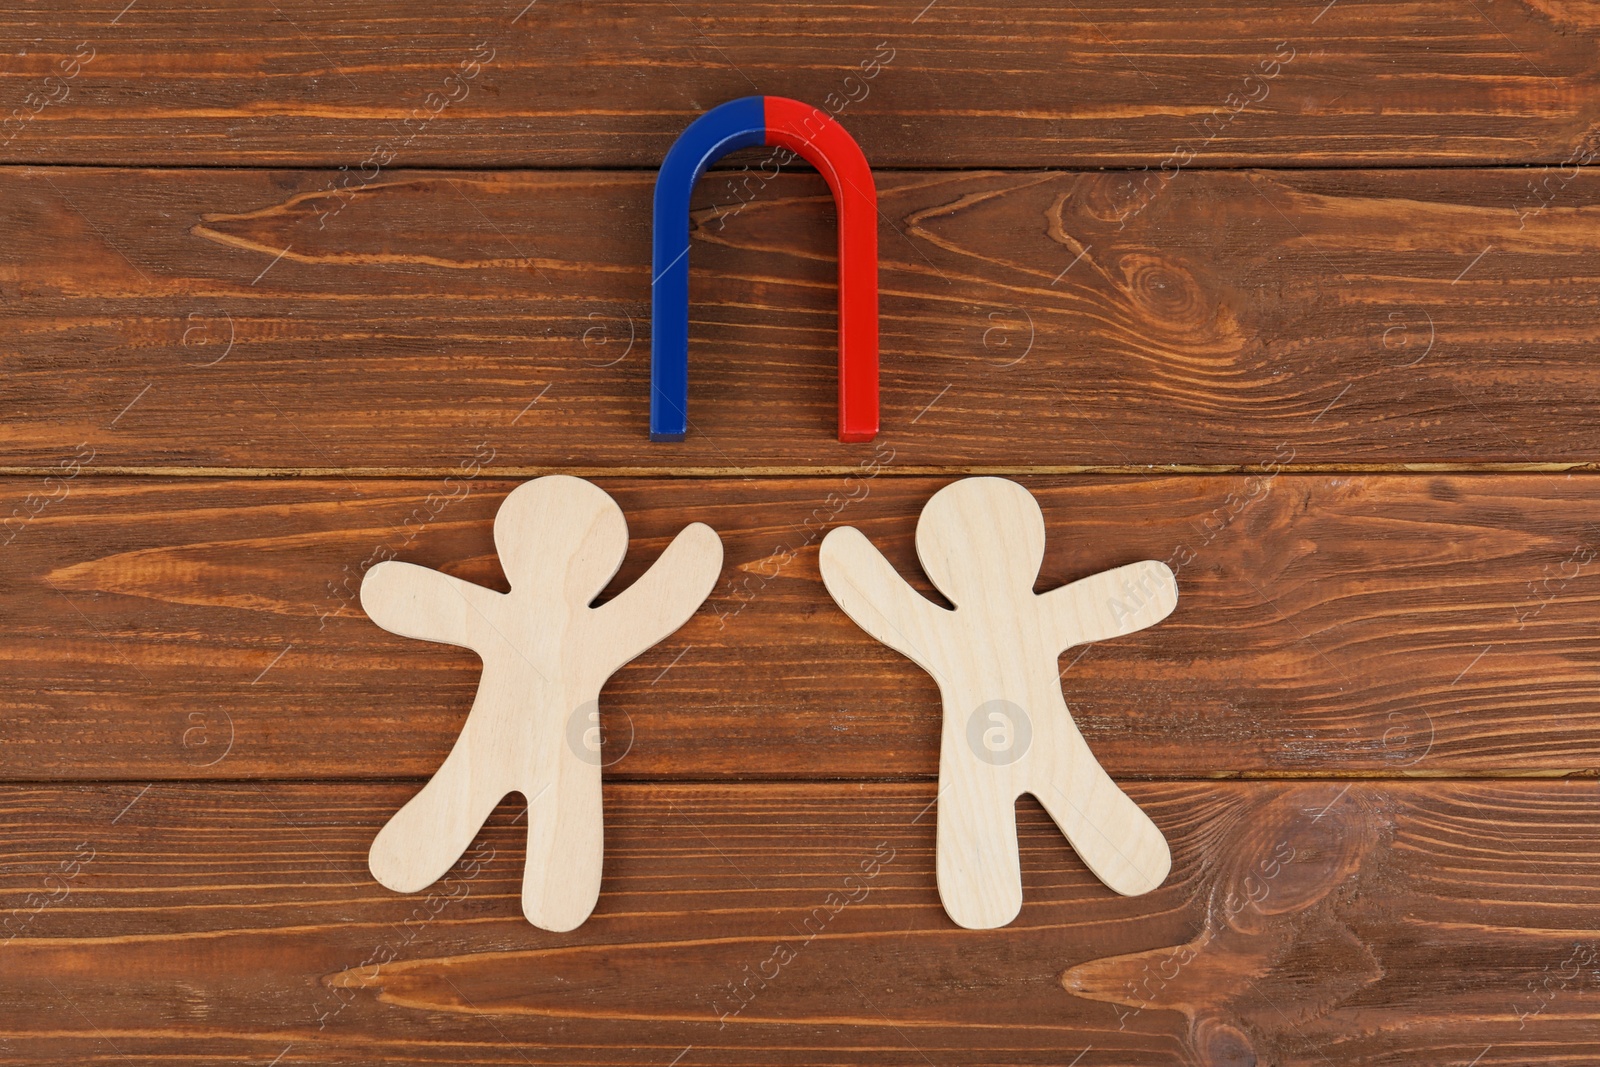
column 869, row 590
column 665, row 595
column 1109, row 604
column 428, row 605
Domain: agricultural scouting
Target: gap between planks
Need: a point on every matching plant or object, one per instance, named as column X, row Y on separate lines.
column 601, row 168
column 930, row 780
column 821, row 471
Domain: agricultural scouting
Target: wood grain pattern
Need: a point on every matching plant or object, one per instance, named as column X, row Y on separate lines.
column 182, row 320
column 1137, row 257
column 1374, row 922
column 1393, row 624
column 965, row 84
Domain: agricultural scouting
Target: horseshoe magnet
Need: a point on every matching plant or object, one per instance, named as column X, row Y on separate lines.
column 819, row 140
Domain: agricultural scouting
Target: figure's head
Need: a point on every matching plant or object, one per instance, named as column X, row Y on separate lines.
column 561, row 534
column 981, row 537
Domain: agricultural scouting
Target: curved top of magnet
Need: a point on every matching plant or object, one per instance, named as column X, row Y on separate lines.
column 818, row 139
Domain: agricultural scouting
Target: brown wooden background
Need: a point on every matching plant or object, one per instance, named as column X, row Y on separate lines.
column 1300, row 298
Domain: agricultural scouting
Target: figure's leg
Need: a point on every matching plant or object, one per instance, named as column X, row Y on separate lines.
column 1111, row 834
column 426, row 837
column 980, row 876
column 561, row 881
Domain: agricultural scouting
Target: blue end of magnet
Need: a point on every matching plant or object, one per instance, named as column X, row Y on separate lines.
column 737, row 124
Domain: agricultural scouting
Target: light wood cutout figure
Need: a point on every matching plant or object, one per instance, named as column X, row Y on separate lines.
column 1007, row 729
column 533, row 728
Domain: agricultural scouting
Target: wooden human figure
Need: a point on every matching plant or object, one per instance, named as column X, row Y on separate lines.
column 1007, row 729
column 545, row 653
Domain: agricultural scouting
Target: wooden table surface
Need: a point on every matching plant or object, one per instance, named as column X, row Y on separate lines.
column 1300, row 298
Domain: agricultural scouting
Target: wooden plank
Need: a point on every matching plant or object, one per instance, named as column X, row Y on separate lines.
column 942, row 84
column 236, row 320
column 1325, row 624
column 1306, row 923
